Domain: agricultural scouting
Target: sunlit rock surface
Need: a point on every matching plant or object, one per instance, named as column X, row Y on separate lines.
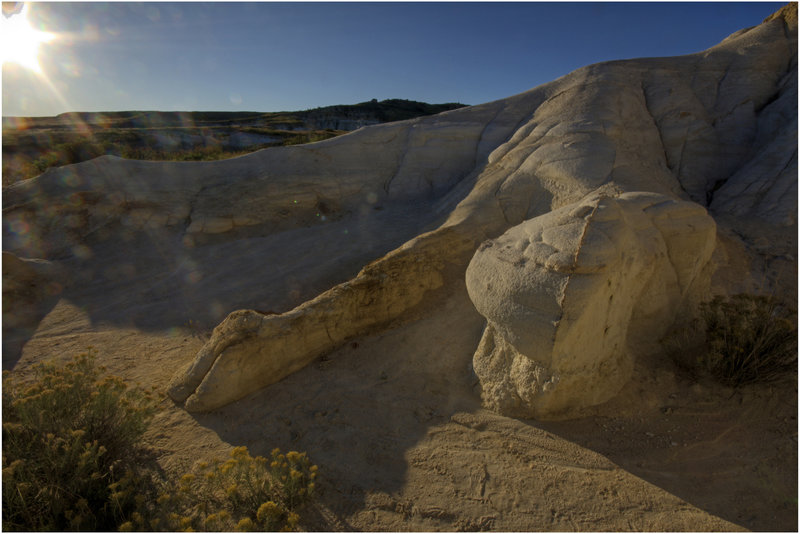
column 289, row 230
column 572, row 296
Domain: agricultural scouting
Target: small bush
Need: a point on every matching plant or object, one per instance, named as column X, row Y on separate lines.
column 749, row 338
column 73, row 460
column 242, row 493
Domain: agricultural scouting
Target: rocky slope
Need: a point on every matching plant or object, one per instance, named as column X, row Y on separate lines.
column 670, row 179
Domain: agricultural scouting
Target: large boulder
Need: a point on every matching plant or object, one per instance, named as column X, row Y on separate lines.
column 571, row 297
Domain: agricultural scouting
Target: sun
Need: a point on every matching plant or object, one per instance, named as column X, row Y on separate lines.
column 19, row 42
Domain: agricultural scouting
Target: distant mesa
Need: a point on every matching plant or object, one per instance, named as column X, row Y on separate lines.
column 12, row 8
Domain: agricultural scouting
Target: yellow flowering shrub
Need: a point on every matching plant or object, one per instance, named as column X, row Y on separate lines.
column 73, row 459
column 244, row 525
column 63, row 431
column 243, row 492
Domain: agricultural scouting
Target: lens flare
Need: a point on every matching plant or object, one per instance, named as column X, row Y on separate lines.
column 19, row 41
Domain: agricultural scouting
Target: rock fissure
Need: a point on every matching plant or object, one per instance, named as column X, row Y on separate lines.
column 401, row 161
column 575, row 254
column 762, row 188
column 187, row 222
column 719, row 86
column 486, row 127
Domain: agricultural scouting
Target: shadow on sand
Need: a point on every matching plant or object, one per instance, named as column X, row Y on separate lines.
column 732, row 453
column 358, row 411
column 361, row 410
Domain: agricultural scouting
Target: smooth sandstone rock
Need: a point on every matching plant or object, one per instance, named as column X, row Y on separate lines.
column 249, row 350
column 609, row 128
column 571, row 297
column 272, row 229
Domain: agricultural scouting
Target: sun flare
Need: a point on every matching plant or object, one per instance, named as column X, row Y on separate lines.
column 19, row 41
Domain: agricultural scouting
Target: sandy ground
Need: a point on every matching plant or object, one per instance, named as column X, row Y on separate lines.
column 395, row 424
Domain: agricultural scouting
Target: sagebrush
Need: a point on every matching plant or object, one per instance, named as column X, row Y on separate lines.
column 71, row 438
column 749, row 338
column 242, row 493
column 74, row 459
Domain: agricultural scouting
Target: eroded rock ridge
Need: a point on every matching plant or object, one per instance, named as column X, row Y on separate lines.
column 290, row 229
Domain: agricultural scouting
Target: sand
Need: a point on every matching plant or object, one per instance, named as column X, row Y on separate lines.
column 395, row 424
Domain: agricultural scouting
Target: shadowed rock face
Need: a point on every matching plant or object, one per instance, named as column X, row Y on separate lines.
column 413, row 200
column 573, row 296
column 30, row 289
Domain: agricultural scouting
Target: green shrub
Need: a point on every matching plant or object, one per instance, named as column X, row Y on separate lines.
column 67, row 153
column 73, row 460
column 749, row 338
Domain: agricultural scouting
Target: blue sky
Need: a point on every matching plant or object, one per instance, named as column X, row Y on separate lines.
column 290, row 56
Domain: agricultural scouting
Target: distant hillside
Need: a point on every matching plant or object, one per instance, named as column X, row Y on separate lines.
column 31, row 145
column 372, row 112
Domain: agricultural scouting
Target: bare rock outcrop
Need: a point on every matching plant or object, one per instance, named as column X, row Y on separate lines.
column 249, row 350
column 289, row 229
column 605, row 128
column 571, row 297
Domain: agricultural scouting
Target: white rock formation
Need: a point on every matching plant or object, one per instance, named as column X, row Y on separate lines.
column 573, row 296
column 282, row 344
column 274, row 229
